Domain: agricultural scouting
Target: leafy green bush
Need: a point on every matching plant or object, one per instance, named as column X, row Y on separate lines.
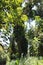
column 27, row 61
column 13, row 62
column 34, row 47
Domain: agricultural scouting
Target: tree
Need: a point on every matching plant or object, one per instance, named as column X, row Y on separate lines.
column 12, row 13
column 34, row 11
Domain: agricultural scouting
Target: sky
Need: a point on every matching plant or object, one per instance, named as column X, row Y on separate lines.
column 30, row 23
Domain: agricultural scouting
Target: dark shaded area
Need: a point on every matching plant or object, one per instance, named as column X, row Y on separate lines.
column 3, row 62
column 40, row 50
column 19, row 36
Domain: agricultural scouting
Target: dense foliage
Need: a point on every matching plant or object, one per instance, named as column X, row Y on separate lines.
column 24, row 40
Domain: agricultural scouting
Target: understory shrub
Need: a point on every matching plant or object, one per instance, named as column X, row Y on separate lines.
column 27, row 61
